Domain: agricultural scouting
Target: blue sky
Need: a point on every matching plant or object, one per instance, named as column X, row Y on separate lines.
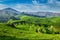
column 21, row 1
column 31, row 5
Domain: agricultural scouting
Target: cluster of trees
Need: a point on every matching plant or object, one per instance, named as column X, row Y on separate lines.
column 43, row 25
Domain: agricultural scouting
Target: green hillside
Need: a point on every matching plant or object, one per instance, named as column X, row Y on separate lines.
column 31, row 28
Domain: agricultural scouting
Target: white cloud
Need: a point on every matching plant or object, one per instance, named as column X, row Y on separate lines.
column 2, row 6
column 21, row 8
column 35, row 2
column 35, row 7
column 52, row 6
column 30, row 7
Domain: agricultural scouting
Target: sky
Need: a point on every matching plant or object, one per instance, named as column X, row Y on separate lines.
column 31, row 5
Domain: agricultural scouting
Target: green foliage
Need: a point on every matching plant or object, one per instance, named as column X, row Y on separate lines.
column 9, row 33
column 30, row 28
column 44, row 25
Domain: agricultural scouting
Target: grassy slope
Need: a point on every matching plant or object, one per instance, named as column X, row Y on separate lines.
column 9, row 33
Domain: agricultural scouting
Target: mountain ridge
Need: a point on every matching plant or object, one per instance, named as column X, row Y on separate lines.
column 14, row 12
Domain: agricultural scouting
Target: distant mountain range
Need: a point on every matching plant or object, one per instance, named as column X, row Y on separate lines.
column 9, row 13
column 14, row 12
column 42, row 14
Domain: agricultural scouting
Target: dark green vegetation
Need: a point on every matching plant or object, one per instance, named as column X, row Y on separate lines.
column 31, row 28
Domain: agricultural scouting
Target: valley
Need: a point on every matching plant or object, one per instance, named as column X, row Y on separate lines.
column 16, row 25
column 10, row 13
column 31, row 28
